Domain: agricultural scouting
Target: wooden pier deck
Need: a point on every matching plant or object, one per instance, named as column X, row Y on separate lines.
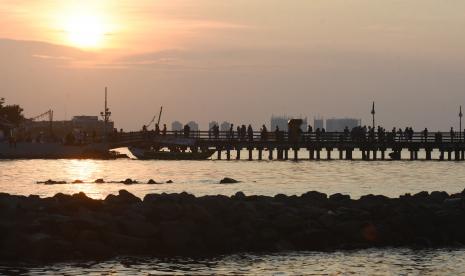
column 320, row 146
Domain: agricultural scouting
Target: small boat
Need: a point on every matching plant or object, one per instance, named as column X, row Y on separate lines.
column 148, row 154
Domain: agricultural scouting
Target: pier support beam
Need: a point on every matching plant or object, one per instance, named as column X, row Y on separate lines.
column 328, row 153
column 260, row 154
column 238, row 154
column 411, row 155
column 219, row 153
column 279, row 154
column 441, row 155
column 383, row 155
column 349, row 154
column 428, row 154
column 228, row 154
column 341, row 154
column 364, row 157
column 296, row 154
column 375, row 154
column 311, row 154
column 457, row 155
column 250, row 154
column 286, row 154
column 270, row 154
column 449, row 155
column 318, row 154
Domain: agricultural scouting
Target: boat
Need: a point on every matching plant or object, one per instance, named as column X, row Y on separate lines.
column 26, row 150
column 150, row 154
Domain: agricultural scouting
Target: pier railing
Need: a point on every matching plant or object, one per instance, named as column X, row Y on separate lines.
column 286, row 137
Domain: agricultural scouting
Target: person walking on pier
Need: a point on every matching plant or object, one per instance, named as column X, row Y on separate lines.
column 250, row 133
column 277, row 134
column 264, row 133
column 401, row 135
column 231, row 131
column 187, row 130
column 216, row 132
column 157, row 129
column 309, row 133
column 243, row 132
column 164, row 130
column 425, row 135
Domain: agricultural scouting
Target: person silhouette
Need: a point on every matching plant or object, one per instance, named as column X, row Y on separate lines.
column 164, row 130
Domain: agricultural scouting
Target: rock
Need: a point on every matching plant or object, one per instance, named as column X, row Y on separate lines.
column 339, row 197
column 123, row 197
column 65, row 227
column 169, row 182
column 151, row 181
column 228, row 180
column 129, row 181
column 421, row 195
column 438, row 196
column 77, row 181
column 99, row 181
column 239, row 196
column 51, row 182
column 452, row 202
column 314, row 196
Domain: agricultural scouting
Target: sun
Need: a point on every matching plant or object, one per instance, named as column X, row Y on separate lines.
column 85, row 31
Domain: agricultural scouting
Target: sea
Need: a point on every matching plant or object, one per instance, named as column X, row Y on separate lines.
column 355, row 178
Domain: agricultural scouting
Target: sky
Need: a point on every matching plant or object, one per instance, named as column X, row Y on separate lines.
column 236, row 60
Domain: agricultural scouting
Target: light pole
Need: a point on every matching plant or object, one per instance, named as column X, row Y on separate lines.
column 460, row 124
column 373, row 114
column 106, row 117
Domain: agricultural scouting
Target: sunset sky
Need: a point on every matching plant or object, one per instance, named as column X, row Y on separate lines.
column 236, row 60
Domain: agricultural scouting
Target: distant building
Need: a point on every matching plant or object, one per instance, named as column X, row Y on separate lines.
column 212, row 124
column 318, row 123
column 225, row 126
column 193, row 126
column 176, row 126
column 338, row 124
column 281, row 123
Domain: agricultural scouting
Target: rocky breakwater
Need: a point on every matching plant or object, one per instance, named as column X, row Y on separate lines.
column 70, row 227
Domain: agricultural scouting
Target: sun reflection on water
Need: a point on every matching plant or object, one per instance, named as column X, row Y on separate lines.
column 81, row 169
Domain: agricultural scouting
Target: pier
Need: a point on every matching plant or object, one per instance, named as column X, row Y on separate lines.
column 441, row 146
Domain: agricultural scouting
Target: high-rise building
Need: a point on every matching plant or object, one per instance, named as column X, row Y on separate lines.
column 212, row 124
column 225, row 126
column 176, row 126
column 318, row 123
column 338, row 124
column 193, row 126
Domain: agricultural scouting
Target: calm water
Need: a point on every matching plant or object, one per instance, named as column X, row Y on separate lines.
column 257, row 177
column 266, row 178
column 364, row 262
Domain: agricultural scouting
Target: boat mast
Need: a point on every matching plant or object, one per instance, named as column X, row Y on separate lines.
column 159, row 115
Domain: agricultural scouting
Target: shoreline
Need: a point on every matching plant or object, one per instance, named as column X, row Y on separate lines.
column 75, row 227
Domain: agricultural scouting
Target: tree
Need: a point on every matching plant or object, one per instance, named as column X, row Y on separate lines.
column 11, row 113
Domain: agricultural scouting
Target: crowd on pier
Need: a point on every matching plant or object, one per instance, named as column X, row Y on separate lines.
column 356, row 134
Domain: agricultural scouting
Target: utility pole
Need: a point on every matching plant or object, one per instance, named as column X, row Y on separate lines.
column 460, row 124
column 106, row 117
column 373, row 114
